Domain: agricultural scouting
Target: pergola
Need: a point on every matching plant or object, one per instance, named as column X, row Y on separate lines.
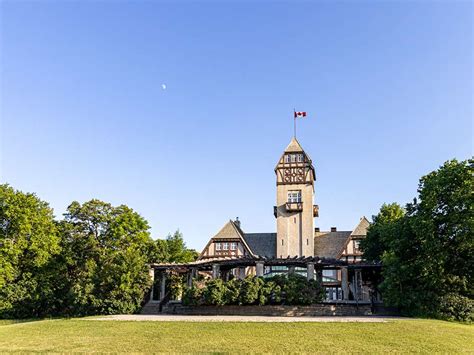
column 220, row 268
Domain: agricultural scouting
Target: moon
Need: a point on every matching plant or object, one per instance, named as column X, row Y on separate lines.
column 163, row 86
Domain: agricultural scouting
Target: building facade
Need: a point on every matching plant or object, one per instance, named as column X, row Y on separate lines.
column 295, row 212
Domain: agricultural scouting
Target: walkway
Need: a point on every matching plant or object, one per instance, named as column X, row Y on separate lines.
column 180, row 318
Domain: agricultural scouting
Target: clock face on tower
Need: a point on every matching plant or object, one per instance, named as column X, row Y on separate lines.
column 293, row 175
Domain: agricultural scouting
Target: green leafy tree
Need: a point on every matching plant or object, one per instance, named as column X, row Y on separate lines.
column 172, row 249
column 28, row 245
column 428, row 253
column 383, row 225
column 106, row 251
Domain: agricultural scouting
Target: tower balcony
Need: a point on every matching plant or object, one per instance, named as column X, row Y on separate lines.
column 294, row 206
column 315, row 211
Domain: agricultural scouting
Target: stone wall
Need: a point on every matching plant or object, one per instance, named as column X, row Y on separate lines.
column 322, row 309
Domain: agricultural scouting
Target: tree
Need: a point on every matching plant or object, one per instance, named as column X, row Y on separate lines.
column 172, row 249
column 428, row 252
column 28, row 245
column 383, row 225
column 106, row 252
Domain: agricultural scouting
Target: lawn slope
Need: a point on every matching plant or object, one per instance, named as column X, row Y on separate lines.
column 121, row 336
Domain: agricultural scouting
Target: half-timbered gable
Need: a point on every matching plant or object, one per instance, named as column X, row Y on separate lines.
column 228, row 242
column 351, row 251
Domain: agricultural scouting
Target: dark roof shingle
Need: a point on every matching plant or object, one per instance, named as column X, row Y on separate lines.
column 262, row 244
column 329, row 244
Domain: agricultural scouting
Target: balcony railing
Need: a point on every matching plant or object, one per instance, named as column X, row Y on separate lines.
column 294, row 206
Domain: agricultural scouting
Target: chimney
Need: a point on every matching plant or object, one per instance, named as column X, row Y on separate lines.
column 316, row 229
column 237, row 222
column 333, row 229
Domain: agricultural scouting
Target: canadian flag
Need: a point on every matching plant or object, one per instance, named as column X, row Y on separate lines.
column 300, row 114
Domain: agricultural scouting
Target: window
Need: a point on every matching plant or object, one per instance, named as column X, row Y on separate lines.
column 287, row 158
column 225, row 246
column 233, row 246
column 293, row 158
column 329, row 275
column 294, row 196
column 356, row 245
column 282, row 242
column 218, row 246
column 299, row 157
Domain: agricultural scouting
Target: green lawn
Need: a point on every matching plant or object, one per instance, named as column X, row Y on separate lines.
column 64, row 335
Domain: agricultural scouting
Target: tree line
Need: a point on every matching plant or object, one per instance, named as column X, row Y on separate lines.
column 427, row 246
column 92, row 261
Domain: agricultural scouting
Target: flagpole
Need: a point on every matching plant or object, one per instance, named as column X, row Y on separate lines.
column 294, row 122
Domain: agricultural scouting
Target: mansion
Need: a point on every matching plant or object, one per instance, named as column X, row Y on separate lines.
column 333, row 257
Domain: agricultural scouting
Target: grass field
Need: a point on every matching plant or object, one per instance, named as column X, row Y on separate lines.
column 64, row 335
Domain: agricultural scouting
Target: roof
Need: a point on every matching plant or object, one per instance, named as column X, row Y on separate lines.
column 329, row 244
column 229, row 231
column 294, row 146
column 361, row 228
column 262, row 244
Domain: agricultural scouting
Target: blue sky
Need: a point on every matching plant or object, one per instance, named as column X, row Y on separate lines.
column 387, row 86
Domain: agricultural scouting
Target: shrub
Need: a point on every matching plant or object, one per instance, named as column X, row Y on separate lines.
column 214, row 292
column 456, row 307
column 250, row 289
column 193, row 296
column 232, row 291
column 293, row 289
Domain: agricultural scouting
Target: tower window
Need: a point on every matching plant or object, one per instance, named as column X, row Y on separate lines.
column 282, row 242
column 294, row 196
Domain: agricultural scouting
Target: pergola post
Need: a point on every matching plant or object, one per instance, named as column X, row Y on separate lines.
column 215, row 271
column 259, row 268
column 319, row 276
column 345, row 283
column 241, row 273
column 189, row 278
column 291, row 270
column 310, row 271
column 151, row 272
column 163, row 286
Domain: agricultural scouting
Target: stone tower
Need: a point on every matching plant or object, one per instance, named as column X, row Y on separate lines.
column 295, row 211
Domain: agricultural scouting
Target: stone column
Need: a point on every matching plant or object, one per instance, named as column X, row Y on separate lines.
column 216, row 271
column 151, row 272
column 241, row 273
column 310, row 271
column 260, row 267
column 345, row 283
column 189, row 278
column 163, row 286
column 291, row 270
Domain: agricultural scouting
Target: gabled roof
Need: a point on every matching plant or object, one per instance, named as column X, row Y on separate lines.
column 361, row 229
column 262, row 244
column 294, row 146
column 229, row 231
column 329, row 244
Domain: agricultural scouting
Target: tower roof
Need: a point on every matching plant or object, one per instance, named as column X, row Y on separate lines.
column 294, row 146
